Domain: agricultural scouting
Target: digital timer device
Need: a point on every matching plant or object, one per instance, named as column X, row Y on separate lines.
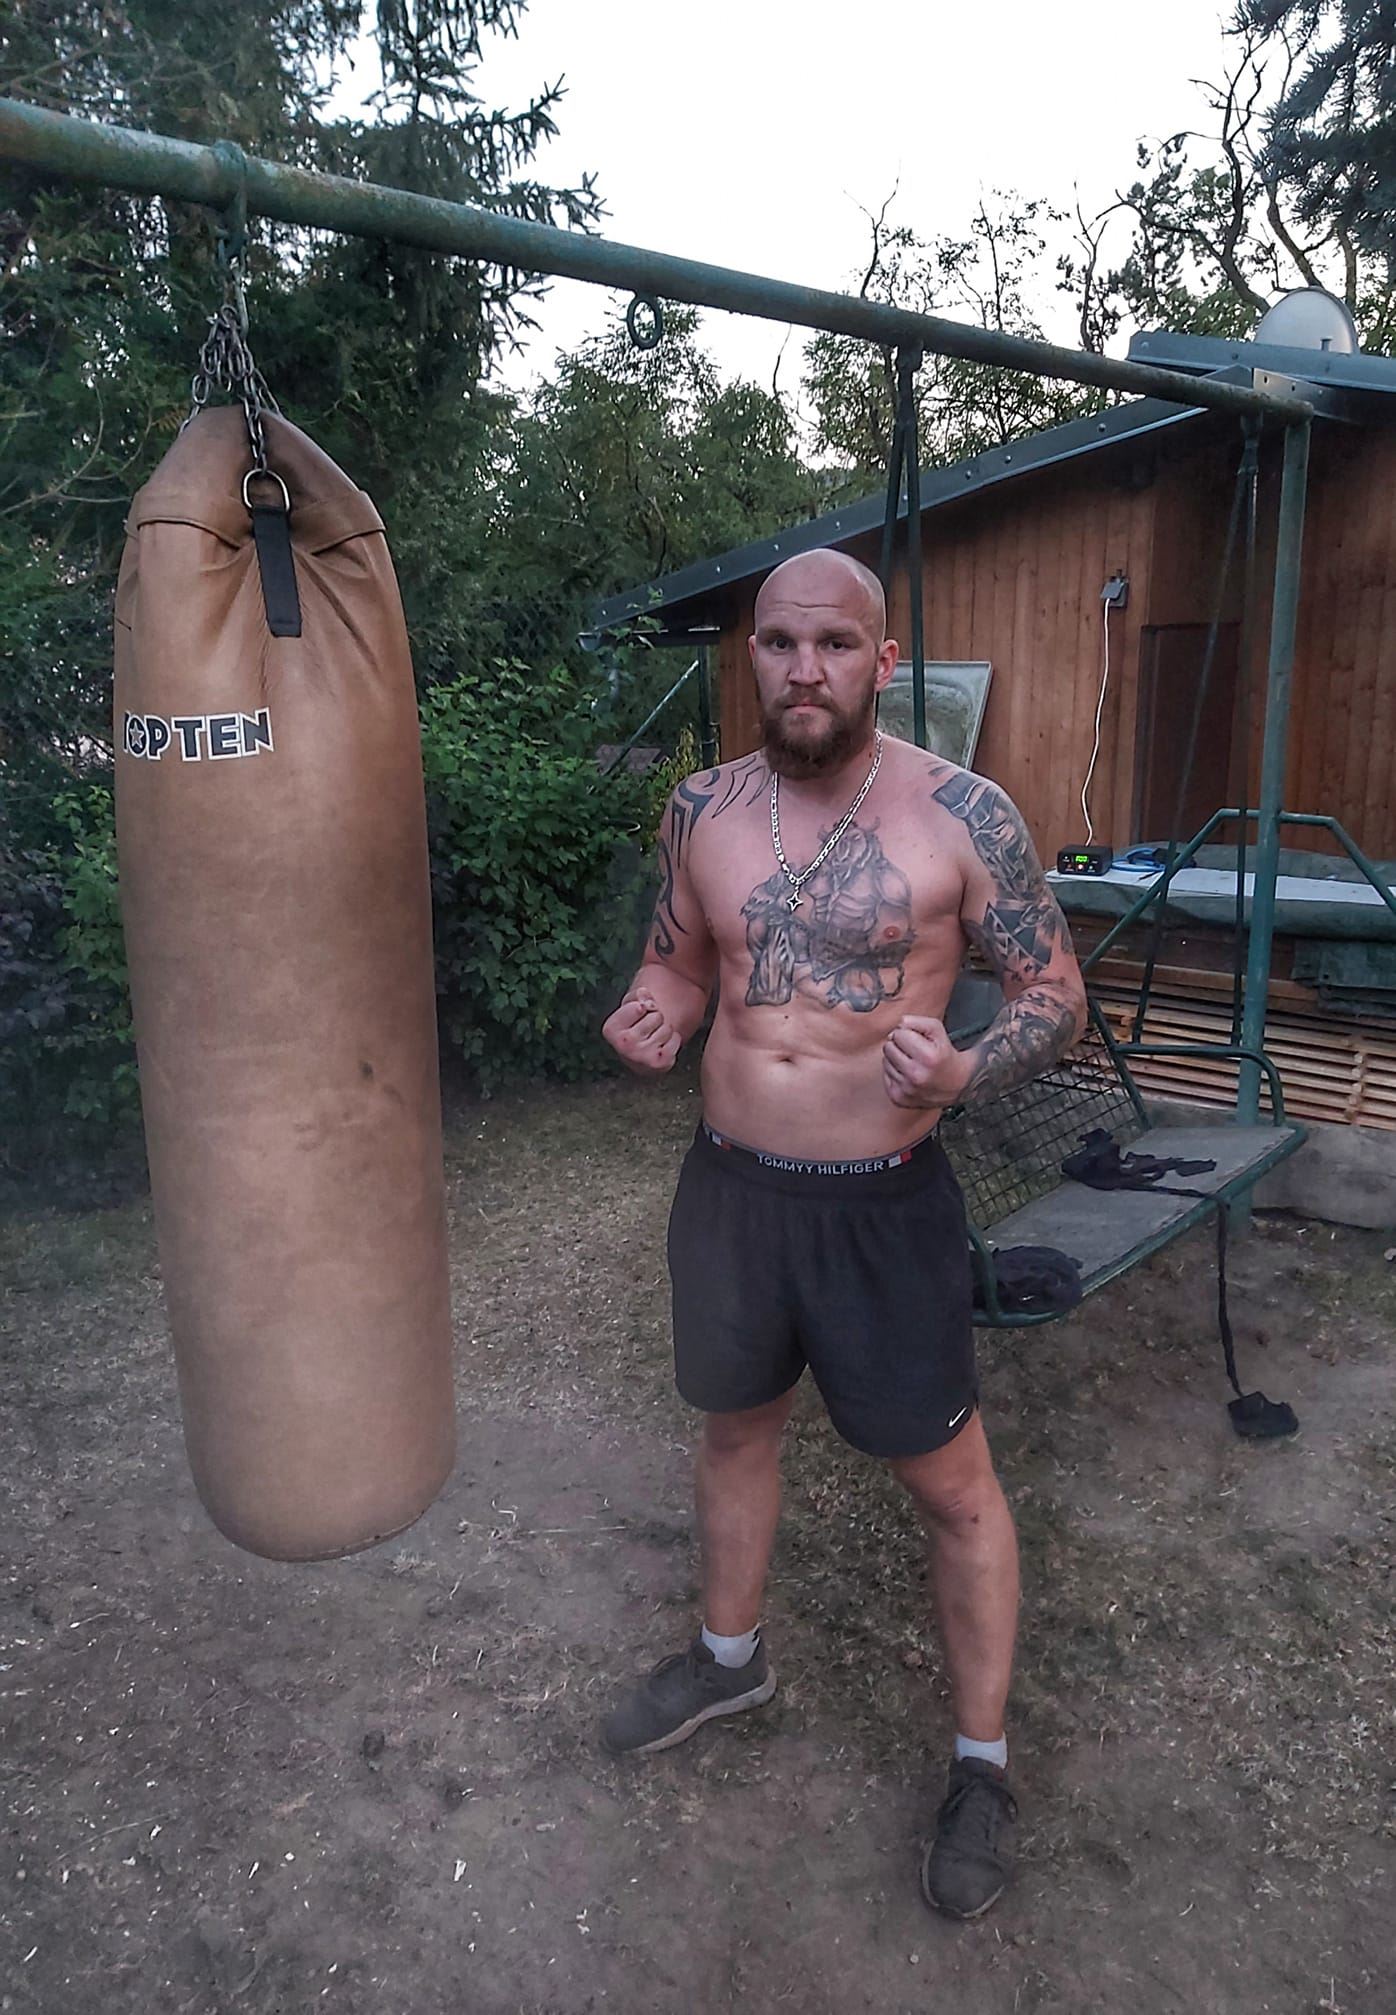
column 1085, row 860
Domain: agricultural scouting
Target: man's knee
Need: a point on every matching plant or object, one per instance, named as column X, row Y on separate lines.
column 754, row 1431
column 958, row 1507
column 954, row 1486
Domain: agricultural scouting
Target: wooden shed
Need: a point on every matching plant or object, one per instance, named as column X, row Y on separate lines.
column 1018, row 544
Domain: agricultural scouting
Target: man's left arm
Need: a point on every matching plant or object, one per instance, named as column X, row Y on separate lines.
column 1013, row 920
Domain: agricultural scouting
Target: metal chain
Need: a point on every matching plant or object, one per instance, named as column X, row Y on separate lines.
column 226, row 363
column 797, row 881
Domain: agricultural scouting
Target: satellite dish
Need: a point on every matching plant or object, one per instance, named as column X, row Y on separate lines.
column 1309, row 319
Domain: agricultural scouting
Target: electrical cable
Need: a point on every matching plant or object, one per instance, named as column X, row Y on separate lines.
column 1099, row 714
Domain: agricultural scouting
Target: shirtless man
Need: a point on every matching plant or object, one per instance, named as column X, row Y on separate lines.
column 817, row 1222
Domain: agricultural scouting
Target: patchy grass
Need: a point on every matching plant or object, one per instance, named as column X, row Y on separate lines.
column 401, row 1747
column 52, row 1251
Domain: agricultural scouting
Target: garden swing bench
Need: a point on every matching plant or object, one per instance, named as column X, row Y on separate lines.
column 1008, row 1152
column 1013, row 1154
column 1008, row 1155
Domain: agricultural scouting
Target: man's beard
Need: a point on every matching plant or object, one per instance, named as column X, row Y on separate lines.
column 810, row 750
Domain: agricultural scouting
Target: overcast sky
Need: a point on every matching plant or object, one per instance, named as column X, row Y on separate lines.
column 750, row 132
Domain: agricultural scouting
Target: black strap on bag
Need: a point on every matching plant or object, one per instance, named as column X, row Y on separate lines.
column 271, row 529
column 1099, row 1164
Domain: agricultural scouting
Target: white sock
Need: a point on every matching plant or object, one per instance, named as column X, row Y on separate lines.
column 987, row 1752
column 732, row 1651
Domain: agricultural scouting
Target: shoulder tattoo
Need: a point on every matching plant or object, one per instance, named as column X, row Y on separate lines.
column 1022, row 926
column 710, row 792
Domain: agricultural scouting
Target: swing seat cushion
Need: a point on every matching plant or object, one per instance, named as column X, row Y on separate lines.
column 1106, row 1231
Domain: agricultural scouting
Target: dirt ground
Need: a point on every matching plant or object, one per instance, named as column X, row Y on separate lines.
column 373, row 1785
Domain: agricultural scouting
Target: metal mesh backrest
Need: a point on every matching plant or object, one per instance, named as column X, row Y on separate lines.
column 1009, row 1151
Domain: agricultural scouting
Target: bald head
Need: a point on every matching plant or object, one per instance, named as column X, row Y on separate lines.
column 827, row 579
column 821, row 655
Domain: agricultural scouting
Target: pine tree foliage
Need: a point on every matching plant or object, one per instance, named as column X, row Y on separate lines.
column 1229, row 215
column 1332, row 134
column 379, row 351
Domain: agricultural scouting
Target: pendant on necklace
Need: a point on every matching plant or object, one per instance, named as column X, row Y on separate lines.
column 792, row 902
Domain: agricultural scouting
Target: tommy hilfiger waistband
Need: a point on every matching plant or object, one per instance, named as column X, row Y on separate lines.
column 786, row 1164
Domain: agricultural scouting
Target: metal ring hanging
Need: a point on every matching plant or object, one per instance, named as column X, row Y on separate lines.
column 645, row 337
column 271, row 477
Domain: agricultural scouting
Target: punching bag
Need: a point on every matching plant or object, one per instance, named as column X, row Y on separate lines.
column 271, row 838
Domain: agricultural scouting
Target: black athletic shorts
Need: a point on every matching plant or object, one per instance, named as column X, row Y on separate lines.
column 860, row 1270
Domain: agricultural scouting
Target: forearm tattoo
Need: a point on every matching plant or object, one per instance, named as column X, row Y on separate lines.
column 1020, row 934
column 1030, row 1033
column 714, row 792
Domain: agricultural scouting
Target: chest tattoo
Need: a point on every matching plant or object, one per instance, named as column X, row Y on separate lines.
column 846, row 944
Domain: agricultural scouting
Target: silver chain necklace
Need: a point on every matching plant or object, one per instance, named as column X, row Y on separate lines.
column 797, row 881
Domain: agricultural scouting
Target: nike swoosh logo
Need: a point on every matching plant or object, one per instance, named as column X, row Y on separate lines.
column 958, row 1417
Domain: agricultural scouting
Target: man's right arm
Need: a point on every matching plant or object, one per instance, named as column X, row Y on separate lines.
column 666, row 1001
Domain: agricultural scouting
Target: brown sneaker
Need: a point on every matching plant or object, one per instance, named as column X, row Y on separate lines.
column 969, row 1863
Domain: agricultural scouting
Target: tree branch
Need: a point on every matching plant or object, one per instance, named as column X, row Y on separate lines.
column 1287, row 239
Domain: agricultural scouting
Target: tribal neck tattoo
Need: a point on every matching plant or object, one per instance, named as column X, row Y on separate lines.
column 797, row 881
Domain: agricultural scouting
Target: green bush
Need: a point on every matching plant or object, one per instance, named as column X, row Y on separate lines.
column 66, row 1051
column 539, row 872
column 100, row 1044
column 540, row 881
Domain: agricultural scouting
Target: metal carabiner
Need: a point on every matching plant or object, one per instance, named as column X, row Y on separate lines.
column 231, row 221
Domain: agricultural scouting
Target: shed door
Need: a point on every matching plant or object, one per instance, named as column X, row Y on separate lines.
column 1170, row 674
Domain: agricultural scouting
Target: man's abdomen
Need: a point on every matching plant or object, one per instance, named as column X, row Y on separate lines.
column 790, row 1090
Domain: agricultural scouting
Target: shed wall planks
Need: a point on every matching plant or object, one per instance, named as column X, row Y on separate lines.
column 1014, row 577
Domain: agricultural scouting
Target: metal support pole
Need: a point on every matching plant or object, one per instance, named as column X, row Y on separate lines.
column 650, row 718
column 895, row 458
column 908, row 364
column 1323, row 823
column 903, row 461
column 1146, row 985
column 1245, row 661
column 152, row 165
column 1283, row 623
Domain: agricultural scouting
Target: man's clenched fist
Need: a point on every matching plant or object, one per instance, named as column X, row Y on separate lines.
column 641, row 1036
column 920, row 1064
